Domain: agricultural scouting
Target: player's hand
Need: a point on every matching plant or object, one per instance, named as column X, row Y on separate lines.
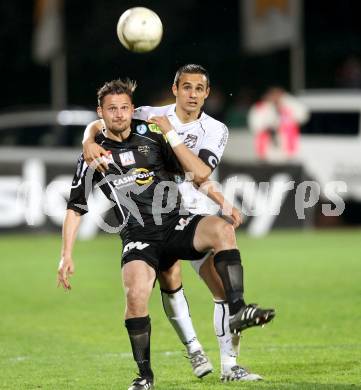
column 93, row 156
column 236, row 217
column 162, row 122
column 233, row 216
column 65, row 270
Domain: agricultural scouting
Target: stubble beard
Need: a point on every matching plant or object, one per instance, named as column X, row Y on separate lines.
column 119, row 129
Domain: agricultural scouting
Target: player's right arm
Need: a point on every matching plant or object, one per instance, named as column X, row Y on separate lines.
column 228, row 211
column 76, row 207
column 70, row 231
column 91, row 150
column 189, row 161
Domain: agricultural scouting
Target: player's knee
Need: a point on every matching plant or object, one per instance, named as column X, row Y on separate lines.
column 228, row 232
column 137, row 296
column 225, row 235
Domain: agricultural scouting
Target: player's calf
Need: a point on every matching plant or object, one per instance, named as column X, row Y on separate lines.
column 229, row 267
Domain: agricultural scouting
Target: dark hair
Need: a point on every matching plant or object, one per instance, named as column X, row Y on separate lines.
column 191, row 68
column 116, row 87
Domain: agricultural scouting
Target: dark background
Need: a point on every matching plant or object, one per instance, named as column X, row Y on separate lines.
column 194, row 31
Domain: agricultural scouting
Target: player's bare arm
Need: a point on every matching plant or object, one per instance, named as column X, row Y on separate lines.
column 92, row 151
column 66, row 264
column 189, row 161
column 209, row 188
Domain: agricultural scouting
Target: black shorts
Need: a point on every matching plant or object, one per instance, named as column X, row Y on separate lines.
column 176, row 243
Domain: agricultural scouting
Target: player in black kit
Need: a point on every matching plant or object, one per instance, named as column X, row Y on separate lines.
column 155, row 230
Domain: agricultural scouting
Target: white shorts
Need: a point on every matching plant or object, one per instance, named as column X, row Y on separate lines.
column 197, row 264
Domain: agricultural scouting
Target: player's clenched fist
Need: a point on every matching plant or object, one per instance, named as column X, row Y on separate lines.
column 236, row 217
column 65, row 270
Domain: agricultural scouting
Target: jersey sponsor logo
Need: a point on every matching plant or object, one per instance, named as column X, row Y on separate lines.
column 141, row 129
column 144, row 176
column 144, row 149
column 140, row 176
column 127, row 158
column 135, row 245
column 183, row 222
column 190, row 141
column 154, row 128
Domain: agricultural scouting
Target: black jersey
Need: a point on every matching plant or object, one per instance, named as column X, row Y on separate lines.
column 140, row 180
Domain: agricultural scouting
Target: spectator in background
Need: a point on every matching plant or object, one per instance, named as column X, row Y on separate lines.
column 275, row 122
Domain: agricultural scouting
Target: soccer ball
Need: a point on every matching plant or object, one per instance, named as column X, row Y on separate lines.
column 139, row 29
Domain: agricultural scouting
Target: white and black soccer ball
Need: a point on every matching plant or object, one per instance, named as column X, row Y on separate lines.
column 140, row 29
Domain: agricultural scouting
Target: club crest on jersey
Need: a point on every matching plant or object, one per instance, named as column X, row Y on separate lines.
column 144, row 149
column 141, row 129
column 127, row 158
column 190, row 141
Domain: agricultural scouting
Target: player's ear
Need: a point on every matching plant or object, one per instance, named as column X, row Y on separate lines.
column 100, row 112
column 175, row 90
column 207, row 92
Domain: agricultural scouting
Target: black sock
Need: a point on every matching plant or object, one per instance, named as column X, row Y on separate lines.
column 229, row 268
column 139, row 330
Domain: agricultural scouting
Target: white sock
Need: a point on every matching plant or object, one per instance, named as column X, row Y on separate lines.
column 228, row 342
column 176, row 308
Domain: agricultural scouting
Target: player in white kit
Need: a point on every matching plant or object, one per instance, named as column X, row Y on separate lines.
column 202, row 140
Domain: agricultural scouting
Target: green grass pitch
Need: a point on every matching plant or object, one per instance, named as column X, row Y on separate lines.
column 50, row 339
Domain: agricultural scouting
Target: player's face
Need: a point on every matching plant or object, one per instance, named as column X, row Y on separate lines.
column 116, row 111
column 191, row 92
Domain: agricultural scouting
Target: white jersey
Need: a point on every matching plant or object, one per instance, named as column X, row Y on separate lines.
column 205, row 137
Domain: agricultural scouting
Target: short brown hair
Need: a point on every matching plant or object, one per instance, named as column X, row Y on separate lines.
column 192, row 69
column 116, row 87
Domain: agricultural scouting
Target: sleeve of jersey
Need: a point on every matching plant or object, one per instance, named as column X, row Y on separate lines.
column 142, row 113
column 78, row 194
column 213, row 145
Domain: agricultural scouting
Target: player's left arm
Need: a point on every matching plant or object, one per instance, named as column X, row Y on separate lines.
column 188, row 160
column 93, row 152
